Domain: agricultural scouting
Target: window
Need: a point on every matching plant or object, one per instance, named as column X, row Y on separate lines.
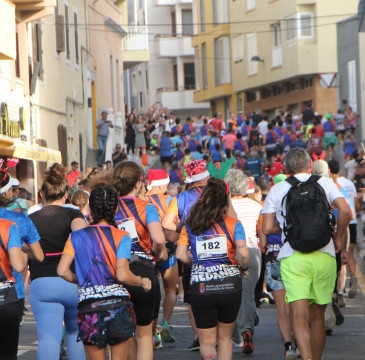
column 250, row 4
column 189, row 76
column 134, row 85
column 174, row 76
column 112, row 80
column 187, row 22
column 147, row 82
column 17, row 65
column 352, row 81
column 291, row 28
column 67, row 29
column 294, row 86
column 237, row 48
column 202, row 16
column 60, row 32
column 37, row 49
column 76, row 39
column 306, row 25
column 222, row 60
column 239, row 102
column 277, row 35
column 173, row 23
column 266, row 93
column 252, row 66
column 118, row 85
column 300, row 26
column 251, row 96
column 204, row 66
column 308, row 82
column 220, row 12
column 197, row 70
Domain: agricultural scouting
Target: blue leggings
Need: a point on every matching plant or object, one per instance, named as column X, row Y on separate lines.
column 53, row 301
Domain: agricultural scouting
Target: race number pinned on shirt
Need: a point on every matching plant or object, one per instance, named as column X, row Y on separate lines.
column 210, row 247
column 129, row 226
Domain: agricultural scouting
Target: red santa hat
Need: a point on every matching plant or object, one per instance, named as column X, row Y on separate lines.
column 196, row 170
column 157, row 178
column 251, row 186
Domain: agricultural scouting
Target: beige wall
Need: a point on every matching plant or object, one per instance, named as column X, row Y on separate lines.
column 61, row 96
column 103, row 44
column 299, row 56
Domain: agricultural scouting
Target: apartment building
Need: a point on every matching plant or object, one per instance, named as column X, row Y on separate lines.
column 18, row 78
column 106, row 33
column 136, row 55
column 284, row 53
column 171, row 69
column 212, row 49
column 59, row 55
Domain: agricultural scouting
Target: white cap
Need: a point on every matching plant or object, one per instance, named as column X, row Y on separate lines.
column 12, row 182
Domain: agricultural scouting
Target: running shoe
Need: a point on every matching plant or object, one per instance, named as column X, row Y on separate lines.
column 290, row 354
column 166, row 332
column 330, row 318
column 297, row 353
column 338, row 314
column 158, row 341
column 195, row 345
column 353, row 287
column 180, row 297
column 247, row 347
column 341, row 300
column 237, row 338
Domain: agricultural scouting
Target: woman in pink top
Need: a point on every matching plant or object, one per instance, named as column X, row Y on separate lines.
column 228, row 141
column 248, row 212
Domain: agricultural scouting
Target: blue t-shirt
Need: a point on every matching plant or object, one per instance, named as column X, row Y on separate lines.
column 254, row 165
column 166, row 147
column 14, row 238
column 28, row 234
column 96, row 250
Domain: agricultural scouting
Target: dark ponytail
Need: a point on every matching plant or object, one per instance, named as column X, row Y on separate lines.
column 211, row 207
column 103, row 202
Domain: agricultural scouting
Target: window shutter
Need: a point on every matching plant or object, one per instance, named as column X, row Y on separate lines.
column 60, row 33
column 237, row 48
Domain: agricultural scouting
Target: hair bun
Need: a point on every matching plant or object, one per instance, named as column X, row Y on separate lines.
column 55, row 175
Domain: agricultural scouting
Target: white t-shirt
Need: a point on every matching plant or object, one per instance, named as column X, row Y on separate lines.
column 350, row 166
column 248, row 212
column 350, row 189
column 273, row 204
column 262, row 126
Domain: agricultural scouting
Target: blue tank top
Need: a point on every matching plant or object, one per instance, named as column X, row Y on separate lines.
column 165, row 145
column 212, row 143
column 216, row 157
column 327, row 127
column 192, row 145
column 270, row 139
column 349, row 147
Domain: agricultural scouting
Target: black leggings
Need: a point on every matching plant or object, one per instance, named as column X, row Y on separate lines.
column 131, row 147
column 9, row 331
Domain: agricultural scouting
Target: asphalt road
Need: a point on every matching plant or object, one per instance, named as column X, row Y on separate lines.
column 346, row 342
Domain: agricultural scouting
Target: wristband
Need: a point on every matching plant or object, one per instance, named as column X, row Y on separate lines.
column 243, row 269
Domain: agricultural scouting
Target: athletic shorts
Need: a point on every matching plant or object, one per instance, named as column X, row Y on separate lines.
column 353, row 233
column 271, row 153
column 273, row 276
column 209, row 309
column 146, row 304
column 166, row 159
column 107, row 327
column 186, row 283
column 309, row 276
column 169, row 263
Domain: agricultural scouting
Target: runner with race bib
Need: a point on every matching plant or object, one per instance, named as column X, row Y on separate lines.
column 214, row 235
column 141, row 220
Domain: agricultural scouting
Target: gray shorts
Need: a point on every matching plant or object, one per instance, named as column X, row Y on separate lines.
column 273, row 276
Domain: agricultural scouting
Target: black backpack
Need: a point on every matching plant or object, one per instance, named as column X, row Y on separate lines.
column 309, row 221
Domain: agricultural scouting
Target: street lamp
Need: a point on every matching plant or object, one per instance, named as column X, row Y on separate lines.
column 257, row 58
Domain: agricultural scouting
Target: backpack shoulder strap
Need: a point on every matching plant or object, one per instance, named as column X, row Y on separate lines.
column 314, row 178
column 292, row 180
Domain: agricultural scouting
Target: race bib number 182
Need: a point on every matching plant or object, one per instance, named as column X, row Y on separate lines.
column 210, row 247
column 129, row 226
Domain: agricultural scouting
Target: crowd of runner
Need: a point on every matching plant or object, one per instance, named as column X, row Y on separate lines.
column 95, row 247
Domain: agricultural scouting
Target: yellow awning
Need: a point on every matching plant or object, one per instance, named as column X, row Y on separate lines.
column 38, row 153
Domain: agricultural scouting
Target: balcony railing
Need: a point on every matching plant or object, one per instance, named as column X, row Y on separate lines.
column 277, row 57
column 136, row 39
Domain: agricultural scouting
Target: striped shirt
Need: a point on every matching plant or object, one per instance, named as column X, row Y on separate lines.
column 248, row 212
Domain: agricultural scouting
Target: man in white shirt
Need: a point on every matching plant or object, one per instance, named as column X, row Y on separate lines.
column 309, row 279
column 262, row 126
